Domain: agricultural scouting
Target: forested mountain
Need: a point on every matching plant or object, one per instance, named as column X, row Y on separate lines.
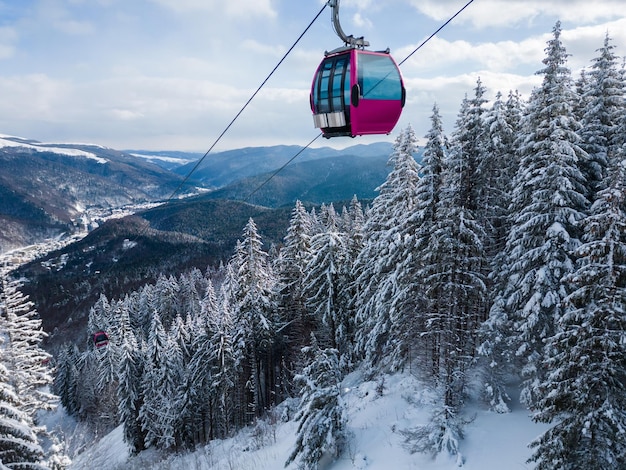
column 45, row 188
column 51, row 189
column 312, row 182
column 222, row 168
column 498, row 261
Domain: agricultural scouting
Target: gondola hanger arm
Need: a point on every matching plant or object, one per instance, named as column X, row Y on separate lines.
column 349, row 41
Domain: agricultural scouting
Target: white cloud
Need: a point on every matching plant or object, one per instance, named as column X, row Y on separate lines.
column 74, row 27
column 362, row 22
column 231, row 8
column 125, row 114
column 486, row 13
column 253, row 46
column 34, row 97
column 583, row 42
column 498, row 56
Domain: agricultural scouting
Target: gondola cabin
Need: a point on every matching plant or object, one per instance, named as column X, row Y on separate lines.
column 100, row 339
column 357, row 92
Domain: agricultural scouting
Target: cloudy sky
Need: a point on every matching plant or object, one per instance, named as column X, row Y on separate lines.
column 171, row 74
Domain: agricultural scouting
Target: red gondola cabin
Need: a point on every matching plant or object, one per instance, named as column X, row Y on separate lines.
column 100, row 339
column 357, row 92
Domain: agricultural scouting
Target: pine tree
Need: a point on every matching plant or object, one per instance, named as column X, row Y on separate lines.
column 585, row 388
column 547, row 203
column 129, row 385
column 502, row 124
column 498, row 166
column 66, row 377
column 290, row 271
column 226, row 370
column 354, row 234
column 199, row 397
column 411, row 301
column 99, row 318
column 20, row 380
column 255, row 315
column 375, row 276
column 604, row 105
column 322, row 427
column 469, row 139
column 455, row 295
column 167, row 299
column 19, row 448
column 323, row 287
column 156, row 386
column 23, row 355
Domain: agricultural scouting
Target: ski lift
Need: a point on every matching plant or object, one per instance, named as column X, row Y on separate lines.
column 100, row 339
column 355, row 91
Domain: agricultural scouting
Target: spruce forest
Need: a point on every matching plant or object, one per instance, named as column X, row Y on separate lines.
column 498, row 260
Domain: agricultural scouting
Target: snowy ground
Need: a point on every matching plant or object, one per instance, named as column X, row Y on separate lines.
column 493, row 441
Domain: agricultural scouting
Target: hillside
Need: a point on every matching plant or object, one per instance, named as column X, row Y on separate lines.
column 222, row 168
column 375, row 424
column 46, row 188
column 315, row 182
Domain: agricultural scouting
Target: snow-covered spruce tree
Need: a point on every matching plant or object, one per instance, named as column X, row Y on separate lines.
column 604, row 107
column 499, row 163
column 22, row 355
column 352, row 228
column 410, row 302
column 374, row 269
column 19, row 447
column 255, row 320
column 584, row 390
column 581, row 85
column 129, row 385
column 224, row 377
column 66, row 377
column 548, row 201
column 190, row 337
column 456, row 294
column 99, row 316
column 198, row 397
column 22, row 375
column 167, row 298
column 96, row 390
column 502, row 127
column 174, row 429
column 469, row 141
column 142, row 316
column 323, row 286
column 321, row 415
column 157, row 413
column 290, row 269
column 190, row 296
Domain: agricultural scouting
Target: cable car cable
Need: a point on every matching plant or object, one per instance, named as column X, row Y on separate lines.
column 282, row 167
column 199, row 162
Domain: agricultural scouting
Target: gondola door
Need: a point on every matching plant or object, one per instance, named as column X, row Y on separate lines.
column 379, row 95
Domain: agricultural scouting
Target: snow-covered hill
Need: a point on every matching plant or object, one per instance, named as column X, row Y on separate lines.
column 493, row 441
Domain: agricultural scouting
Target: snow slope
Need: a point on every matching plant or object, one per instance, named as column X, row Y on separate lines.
column 11, row 142
column 493, row 441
